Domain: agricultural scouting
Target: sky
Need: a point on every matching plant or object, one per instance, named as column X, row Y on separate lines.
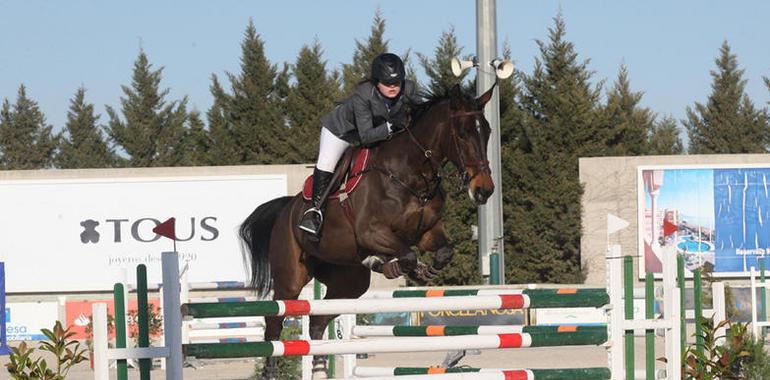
column 669, row 47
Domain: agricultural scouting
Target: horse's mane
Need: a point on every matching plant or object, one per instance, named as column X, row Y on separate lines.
column 429, row 99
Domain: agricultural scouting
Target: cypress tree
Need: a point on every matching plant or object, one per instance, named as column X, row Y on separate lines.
column 312, row 95
column 375, row 45
column 151, row 131
column 767, row 84
column 253, row 111
column 628, row 125
column 196, row 141
column 664, row 138
column 26, row 141
column 728, row 122
column 438, row 68
column 223, row 149
column 82, row 143
column 510, row 112
column 511, row 119
column 460, row 213
column 560, row 120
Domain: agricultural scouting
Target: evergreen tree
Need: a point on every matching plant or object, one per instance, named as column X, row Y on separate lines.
column 767, row 83
column 460, row 213
column 627, row 124
column 26, row 141
column 82, row 144
column 664, row 138
column 223, row 149
column 252, row 113
column 511, row 119
column 151, row 131
column 728, row 122
column 196, row 141
column 439, row 68
column 560, row 124
column 510, row 112
column 375, row 45
column 312, row 95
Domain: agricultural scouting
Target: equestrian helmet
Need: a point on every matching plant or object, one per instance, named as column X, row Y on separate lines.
column 388, row 69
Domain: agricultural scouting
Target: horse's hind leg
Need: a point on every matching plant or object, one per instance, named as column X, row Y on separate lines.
column 290, row 275
column 341, row 282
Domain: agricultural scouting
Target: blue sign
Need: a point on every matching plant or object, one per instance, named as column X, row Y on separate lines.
column 3, row 341
column 742, row 207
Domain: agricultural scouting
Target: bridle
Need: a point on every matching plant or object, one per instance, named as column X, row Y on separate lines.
column 481, row 166
column 433, row 182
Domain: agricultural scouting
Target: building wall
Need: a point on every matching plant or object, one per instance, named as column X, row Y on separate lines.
column 610, row 187
column 296, row 175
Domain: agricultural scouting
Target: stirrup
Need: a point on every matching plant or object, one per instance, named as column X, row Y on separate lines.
column 310, row 230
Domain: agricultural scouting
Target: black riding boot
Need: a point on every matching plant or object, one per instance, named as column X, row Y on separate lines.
column 312, row 220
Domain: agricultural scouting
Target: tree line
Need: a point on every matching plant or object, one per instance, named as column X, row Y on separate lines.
column 269, row 114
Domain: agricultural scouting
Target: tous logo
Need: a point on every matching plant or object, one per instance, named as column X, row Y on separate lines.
column 140, row 230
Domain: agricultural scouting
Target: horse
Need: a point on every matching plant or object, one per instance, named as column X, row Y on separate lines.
column 397, row 205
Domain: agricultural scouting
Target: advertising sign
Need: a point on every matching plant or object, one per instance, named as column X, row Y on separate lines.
column 79, row 235
column 716, row 217
column 25, row 320
column 6, row 313
column 80, row 314
column 471, row 317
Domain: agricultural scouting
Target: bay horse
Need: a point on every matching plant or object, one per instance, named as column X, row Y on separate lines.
column 397, row 205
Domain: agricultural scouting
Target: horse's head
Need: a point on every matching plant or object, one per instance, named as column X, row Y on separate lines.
column 469, row 135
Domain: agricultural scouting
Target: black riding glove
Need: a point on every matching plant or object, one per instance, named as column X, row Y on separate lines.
column 397, row 124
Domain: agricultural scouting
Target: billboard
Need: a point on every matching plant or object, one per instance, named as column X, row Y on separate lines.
column 83, row 234
column 716, row 217
column 79, row 315
column 6, row 312
column 26, row 320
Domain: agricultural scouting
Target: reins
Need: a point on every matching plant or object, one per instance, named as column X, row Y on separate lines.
column 433, row 181
column 480, row 165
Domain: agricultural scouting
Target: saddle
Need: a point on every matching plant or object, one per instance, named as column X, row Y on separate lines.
column 353, row 163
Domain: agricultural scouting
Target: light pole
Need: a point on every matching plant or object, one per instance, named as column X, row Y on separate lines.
column 491, row 255
column 490, row 214
column 489, row 69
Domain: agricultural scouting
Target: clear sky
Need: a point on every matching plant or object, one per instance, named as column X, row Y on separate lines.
column 669, row 47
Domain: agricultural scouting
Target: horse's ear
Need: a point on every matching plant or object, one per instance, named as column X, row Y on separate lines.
column 484, row 98
column 455, row 97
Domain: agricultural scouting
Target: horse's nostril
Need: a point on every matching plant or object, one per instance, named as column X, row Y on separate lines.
column 482, row 194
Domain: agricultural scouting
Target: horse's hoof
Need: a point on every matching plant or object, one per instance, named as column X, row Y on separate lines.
column 319, row 368
column 392, row 269
column 423, row 274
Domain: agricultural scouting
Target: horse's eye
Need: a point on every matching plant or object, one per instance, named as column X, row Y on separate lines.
column 463, row 131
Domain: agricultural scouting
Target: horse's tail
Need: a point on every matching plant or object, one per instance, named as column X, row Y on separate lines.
column 255, row 234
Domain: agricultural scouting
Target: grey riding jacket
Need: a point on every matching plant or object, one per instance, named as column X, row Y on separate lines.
column 362, row 118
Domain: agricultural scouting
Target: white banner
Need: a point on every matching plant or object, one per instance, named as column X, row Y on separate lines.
column 80, row 235
column 25, row 320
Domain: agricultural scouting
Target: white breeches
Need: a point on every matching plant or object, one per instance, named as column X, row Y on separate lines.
column 330, row 150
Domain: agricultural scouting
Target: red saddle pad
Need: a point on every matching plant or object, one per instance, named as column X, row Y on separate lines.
column 360, row 161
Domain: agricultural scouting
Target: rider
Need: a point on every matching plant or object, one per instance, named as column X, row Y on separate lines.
column 373, row 113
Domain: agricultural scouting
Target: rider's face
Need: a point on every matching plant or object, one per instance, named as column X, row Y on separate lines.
column 389, row 91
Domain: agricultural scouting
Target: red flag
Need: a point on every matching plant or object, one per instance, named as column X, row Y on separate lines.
column 166, row 228
column 669, row 228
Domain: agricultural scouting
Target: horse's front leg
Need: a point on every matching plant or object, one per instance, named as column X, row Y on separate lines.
column 382, row 251
column 393, row 258
column 434, row 240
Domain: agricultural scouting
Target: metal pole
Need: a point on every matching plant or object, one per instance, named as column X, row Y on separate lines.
column 491, row 214
column 172, row 316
